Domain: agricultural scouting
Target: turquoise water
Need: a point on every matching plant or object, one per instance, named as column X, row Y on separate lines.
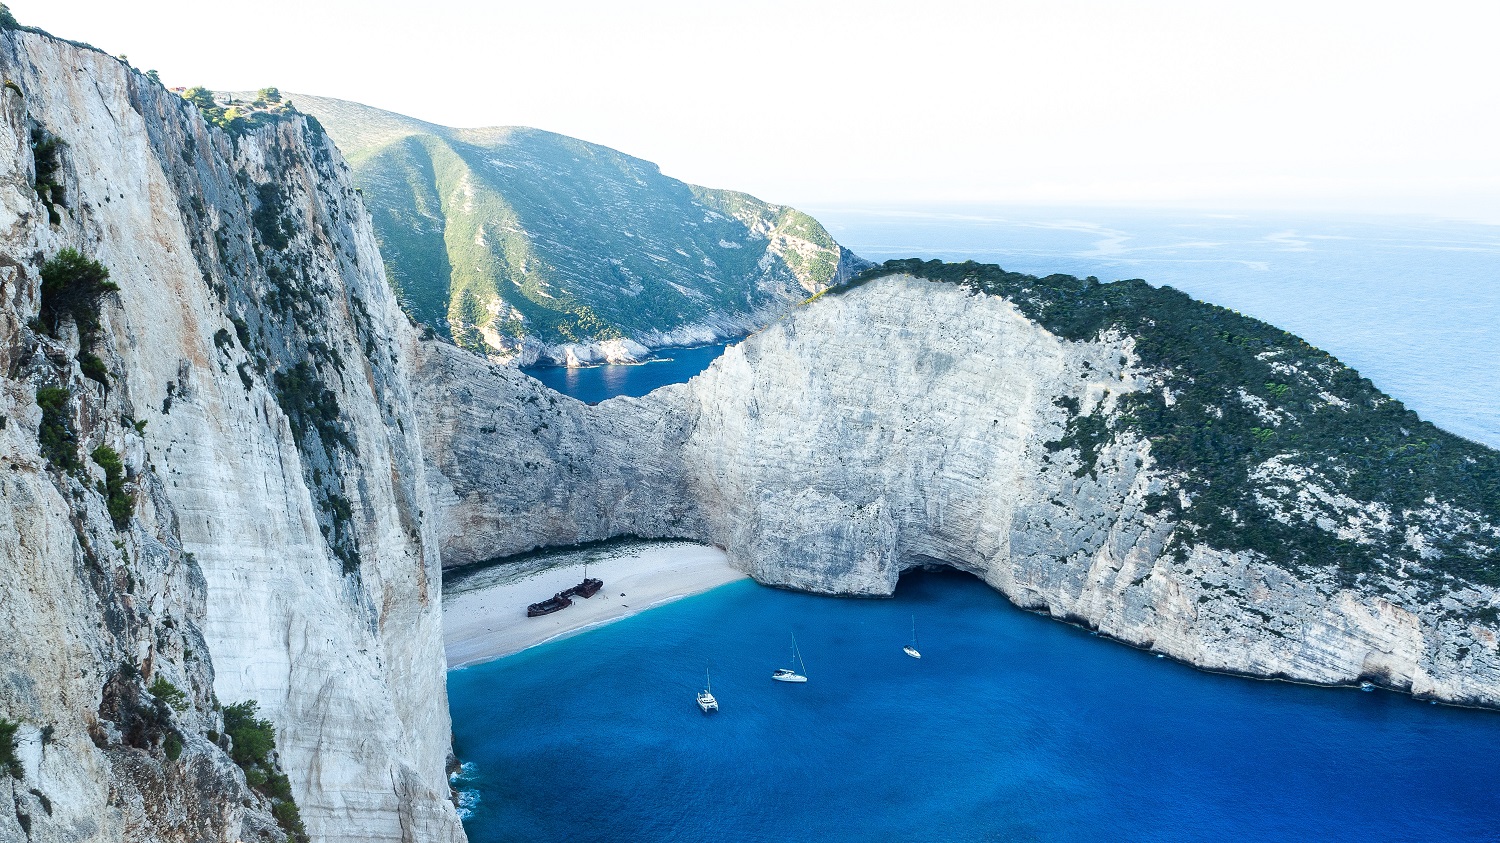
column 1012, row 727
column 593, row 384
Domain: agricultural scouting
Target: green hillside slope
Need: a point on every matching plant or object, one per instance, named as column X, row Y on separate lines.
column 518, row 242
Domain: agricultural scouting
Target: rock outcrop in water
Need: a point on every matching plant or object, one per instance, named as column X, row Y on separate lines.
column 907, row 423
column 214, row 495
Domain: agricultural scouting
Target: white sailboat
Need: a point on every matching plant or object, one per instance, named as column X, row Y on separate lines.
column 706, row 699
column 786, row 674
column 911, row 649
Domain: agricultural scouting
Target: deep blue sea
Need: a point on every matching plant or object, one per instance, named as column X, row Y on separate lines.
column 593, row 384
column 1012, row 727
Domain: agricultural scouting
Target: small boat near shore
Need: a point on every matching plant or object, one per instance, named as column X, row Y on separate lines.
column 555, row 603
column 911, row 649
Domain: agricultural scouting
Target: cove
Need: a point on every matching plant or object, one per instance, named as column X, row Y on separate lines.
column 592, row 384
column 1011, row 727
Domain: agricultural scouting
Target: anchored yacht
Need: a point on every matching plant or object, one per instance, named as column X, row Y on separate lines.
column 786, row 674
column 706, row 699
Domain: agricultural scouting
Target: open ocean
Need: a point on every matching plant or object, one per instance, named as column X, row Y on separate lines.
column 1013, row 727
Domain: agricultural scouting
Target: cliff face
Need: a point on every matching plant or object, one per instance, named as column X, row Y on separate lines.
column 272, row 546
column 529, row 245
column 908, row 423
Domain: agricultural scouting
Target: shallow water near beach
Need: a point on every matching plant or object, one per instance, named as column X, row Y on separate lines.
column 1011, row 727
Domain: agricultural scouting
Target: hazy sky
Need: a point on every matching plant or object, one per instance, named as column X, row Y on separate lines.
column 1367, row 105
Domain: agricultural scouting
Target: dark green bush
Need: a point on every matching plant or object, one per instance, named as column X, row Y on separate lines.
column 202, row 97
column 9, row 763
column 173, row 746
column 169, row 694
column 55, row 434
column 242, row 331
column 268, row 218
column 119, row 502
column 7, row 20
column 254, row 738
column 93, row 367
column 290, row 820
column 74, row 286
column 309, row 405
column 46, row 156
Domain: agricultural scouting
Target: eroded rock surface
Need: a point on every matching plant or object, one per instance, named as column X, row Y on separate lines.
column 275, row 549
column 908, row 423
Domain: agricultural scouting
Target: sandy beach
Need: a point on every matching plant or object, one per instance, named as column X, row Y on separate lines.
column 484, row 609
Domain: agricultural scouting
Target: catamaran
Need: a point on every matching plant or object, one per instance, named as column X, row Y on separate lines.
column 911, row 649
column 706, row 699
column 786, row 674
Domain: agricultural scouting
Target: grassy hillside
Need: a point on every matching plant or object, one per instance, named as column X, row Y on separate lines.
column 507, row 233
column 1271, row 445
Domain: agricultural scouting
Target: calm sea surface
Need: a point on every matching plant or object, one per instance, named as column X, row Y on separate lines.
column 596, row 383
column 1011, row 727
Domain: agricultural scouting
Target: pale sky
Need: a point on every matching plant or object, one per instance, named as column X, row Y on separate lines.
column 1352, row 105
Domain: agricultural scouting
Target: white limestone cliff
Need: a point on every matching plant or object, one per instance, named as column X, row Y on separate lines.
column 277, row 550
column 906, row 423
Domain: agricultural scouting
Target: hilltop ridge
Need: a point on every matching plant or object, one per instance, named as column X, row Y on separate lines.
column 526, row 244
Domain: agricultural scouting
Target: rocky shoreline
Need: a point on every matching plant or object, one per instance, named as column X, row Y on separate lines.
column 821, row 472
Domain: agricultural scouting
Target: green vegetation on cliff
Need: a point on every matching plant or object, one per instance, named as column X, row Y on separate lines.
column 1272, row 445
column 526, row 233
column 74, row 286
column 253, row 747
column 9, row 763
column 117, row 500
column 237, row 116
column 59, row 443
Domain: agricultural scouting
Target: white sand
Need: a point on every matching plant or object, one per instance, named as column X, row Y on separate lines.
column 484, row 611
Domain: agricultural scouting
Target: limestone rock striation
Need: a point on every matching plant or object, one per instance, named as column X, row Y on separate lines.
column 210, row 483
column 1175, row 475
